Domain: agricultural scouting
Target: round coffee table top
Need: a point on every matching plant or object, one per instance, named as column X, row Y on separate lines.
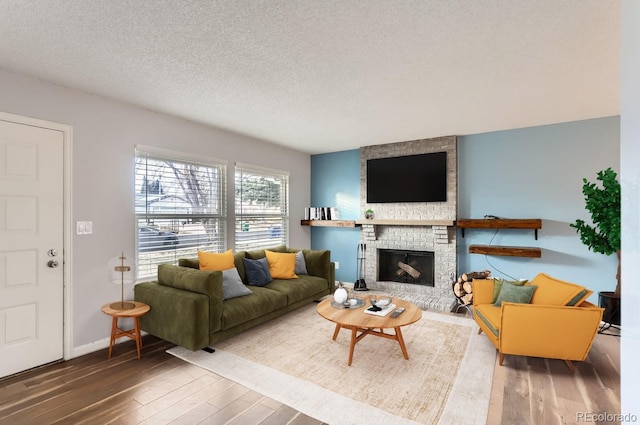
column 357, row 317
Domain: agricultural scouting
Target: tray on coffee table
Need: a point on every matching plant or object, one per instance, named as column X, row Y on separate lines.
column 359, row 303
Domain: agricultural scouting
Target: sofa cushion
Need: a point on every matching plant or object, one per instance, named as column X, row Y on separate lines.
column 193, row 263
column 232, row 285
column 301, row 265
column 257, row 271
column 281, row 265
column 318, row 263
column 497, row 285
column 515, row 294
column 552, row 291
column 201, row 281
column 238, row 256
column 215, row 261
column 490, row 316
column 242, row 309
column 299, row 289
column 209, row 283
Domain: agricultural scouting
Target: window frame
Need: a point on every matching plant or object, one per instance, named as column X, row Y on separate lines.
column 219, row 244
column 274, row 237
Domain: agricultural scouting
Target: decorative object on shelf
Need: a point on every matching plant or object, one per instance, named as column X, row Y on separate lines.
column 340, row 295
column 368, row 214
column 320, row 213
column 121, row 271
column 604, row 206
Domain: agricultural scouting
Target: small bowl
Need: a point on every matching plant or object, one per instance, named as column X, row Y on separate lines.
column 381, row 302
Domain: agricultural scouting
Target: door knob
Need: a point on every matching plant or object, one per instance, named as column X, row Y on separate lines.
column 52, row 263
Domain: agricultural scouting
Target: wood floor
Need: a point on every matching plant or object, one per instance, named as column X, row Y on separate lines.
column 161, row 389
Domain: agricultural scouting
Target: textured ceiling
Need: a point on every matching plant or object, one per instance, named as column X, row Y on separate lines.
column 330, row 75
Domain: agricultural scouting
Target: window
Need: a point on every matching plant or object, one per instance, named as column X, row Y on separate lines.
column 179, row 206
column 262, row 207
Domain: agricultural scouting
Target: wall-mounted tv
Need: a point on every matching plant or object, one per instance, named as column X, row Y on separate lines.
column 412, row 178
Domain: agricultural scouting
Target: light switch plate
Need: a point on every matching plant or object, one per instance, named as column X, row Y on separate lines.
column 84, row 227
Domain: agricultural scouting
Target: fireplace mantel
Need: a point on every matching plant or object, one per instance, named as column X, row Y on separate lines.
column 386, row 222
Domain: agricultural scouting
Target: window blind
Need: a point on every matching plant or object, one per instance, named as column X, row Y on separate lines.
column 179, row 207
column 261, row 207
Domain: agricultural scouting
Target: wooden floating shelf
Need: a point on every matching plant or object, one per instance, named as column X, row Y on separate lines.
column 329, row 223
column 384, row 222
column 509, row 251
column 500, row 223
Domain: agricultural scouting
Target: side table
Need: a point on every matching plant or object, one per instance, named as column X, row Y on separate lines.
column 139, row 310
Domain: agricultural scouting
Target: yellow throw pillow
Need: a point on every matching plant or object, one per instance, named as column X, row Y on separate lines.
column 281, row 265
column 214, row 261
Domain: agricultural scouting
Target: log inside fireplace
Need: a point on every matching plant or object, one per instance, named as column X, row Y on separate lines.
column 412, row 267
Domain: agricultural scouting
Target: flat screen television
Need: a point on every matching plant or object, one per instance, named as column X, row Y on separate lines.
column 412, row 178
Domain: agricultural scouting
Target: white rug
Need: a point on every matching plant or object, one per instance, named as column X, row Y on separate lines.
column 292, row 359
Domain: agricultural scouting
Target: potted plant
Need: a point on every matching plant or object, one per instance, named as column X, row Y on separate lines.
column 368, row 214
column 603, row 203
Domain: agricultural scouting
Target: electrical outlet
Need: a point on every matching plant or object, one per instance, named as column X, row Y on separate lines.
column 337, row 265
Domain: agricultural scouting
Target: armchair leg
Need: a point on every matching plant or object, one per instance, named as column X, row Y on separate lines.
column 570, row 365
column 501, row 359
column 479, row 331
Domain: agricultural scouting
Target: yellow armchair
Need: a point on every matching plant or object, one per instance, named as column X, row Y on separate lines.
column 557, row 323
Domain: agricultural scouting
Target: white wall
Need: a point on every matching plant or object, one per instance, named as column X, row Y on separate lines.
column 630, row 158
column 104, row 135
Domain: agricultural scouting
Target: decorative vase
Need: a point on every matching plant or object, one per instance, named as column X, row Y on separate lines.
column 340, row 296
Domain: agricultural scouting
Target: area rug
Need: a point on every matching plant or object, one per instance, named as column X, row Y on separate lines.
column 292, row 359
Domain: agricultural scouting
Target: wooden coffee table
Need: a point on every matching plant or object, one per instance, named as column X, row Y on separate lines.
column 356, row 320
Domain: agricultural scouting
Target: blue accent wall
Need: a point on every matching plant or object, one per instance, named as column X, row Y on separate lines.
column 533, row 172
column 537, row 172
column 335, row 182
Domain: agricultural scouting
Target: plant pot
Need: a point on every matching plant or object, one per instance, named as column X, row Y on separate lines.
column 611, row 304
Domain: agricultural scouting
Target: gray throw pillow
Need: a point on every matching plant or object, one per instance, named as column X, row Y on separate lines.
column 515, row 294
column 257, row 271
column 232, row 285
column 301, row 265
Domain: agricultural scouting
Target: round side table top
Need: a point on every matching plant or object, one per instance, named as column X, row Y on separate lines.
column 138, row 310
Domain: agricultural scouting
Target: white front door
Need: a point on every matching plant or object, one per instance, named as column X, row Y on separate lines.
column 31, row 246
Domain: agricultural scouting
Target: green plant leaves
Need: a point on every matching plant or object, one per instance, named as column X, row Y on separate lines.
column 603, row 203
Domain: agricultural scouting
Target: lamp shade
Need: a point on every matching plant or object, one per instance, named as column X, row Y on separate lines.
column 122, row 271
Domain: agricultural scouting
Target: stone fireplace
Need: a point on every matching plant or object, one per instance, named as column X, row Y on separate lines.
column 419, row 227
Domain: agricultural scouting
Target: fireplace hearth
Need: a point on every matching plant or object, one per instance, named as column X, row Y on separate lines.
column 403, row 266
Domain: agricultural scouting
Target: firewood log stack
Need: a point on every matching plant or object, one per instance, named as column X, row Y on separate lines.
column 463, row 286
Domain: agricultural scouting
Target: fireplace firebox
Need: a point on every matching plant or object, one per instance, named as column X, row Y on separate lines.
column 412, row 267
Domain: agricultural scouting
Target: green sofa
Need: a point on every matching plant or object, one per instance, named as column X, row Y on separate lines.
column 188, row 309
